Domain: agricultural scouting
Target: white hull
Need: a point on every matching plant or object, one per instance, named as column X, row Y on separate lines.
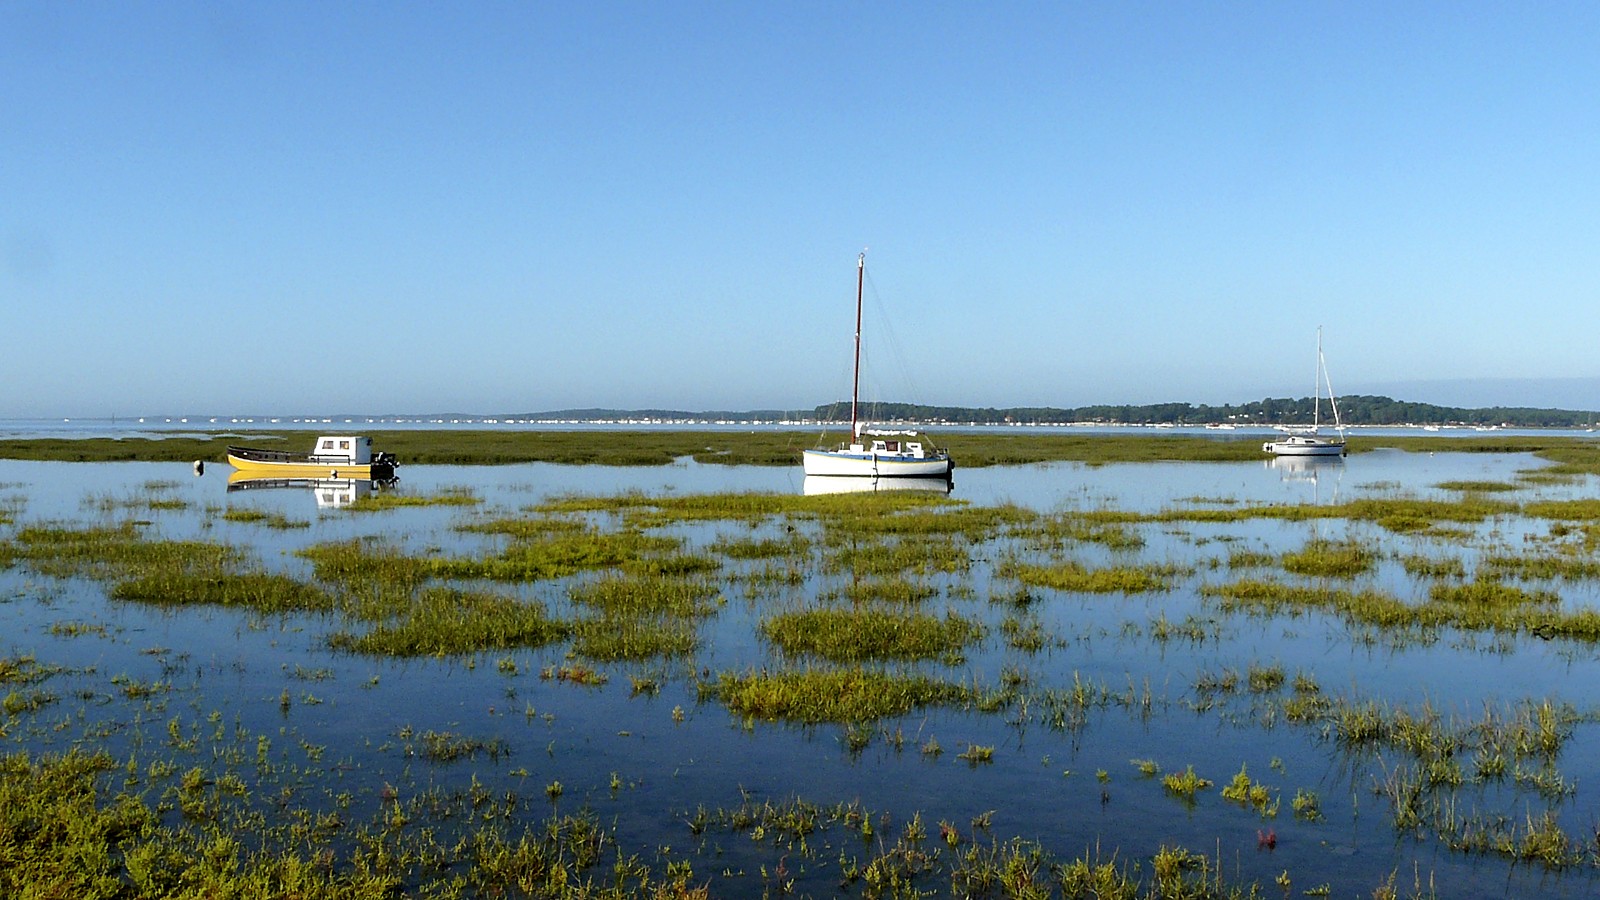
column 874, row 465
column 816, row 485
column 1304, row 446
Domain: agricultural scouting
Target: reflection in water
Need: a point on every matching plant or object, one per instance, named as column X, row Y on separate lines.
column 845, row 484
column 330, row 493
column 1310, row 470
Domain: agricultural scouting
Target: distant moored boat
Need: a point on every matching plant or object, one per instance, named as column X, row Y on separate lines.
column 1304, row 441
column 876, row 453
column 334, row 456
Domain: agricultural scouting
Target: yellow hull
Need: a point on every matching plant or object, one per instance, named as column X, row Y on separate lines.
column 258, row 469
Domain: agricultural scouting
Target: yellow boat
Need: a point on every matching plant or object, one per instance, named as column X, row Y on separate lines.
column 334, row 456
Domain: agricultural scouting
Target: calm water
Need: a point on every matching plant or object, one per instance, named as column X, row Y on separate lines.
column 1042, row 783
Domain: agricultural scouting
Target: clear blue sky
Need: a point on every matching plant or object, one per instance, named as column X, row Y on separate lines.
column 280, row 208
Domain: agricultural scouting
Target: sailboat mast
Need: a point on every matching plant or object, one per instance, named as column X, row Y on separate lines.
column 855, row 380
column 1316, row 386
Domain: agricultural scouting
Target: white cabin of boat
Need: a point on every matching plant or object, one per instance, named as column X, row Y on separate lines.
column 889, row 443
column 344, row 449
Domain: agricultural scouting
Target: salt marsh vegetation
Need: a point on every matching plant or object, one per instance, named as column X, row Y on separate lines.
column 486, row 688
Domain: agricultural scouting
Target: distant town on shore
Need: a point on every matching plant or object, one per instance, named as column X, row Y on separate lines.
column 1354, row 410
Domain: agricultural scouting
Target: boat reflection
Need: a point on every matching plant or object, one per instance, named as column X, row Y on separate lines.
column 846, row 484
column 1304, row 468
column 1310, row 470
column 330, row 493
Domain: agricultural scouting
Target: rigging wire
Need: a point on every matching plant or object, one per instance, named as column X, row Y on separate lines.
column 910, row 394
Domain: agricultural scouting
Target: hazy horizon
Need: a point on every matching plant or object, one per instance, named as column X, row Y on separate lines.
column 1562, row 394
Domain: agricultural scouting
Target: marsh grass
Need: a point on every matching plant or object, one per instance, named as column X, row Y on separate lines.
column 893, row 590
column 1586, row 509
column 1331, row 559
column 260, row 591
column 862, row 634
column 639, row 617
column 260, row 517
column 109, row 552
column 1025, row 632
column 165, row 573
column 1185, row 785
column 882, row 557
column 555, row 556
column 448, row 746
column 792, row 545
column 378, row 501
column 1419, row 566
column 1484, row 605
column 558, row 556
column 367, row 561
column 528, row 528
column 1108, row 528
column 445, row 621
column 1477, row 487
column 1070, row 575
column 1251, row 794
column 1568, row 567
column 72, row 835
column 154, row 496
column 26, row 669
column 632, row 611
column 814, row 696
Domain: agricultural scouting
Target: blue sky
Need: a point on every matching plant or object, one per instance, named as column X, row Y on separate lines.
column 281, row 208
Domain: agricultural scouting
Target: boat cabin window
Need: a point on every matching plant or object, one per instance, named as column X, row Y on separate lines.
column 327, row 444
column 892, row 446
column 344, row 445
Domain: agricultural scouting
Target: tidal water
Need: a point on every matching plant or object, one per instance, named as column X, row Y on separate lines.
column 1072, row 789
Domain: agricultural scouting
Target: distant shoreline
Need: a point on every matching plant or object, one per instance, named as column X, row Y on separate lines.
column 1354, row 411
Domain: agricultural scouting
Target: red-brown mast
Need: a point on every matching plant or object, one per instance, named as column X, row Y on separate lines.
column 855, row 381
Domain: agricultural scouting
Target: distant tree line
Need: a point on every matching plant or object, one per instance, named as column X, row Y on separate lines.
column 1356, row 409
column 1353, row 410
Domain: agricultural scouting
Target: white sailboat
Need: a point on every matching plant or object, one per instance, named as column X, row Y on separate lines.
column 1311, row 441
column 874, row 452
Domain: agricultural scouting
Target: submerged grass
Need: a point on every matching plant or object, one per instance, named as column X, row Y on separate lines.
column 555, row 556
column 1071, row 575
column 814, row 696
column 109, row 552
column 1484, row 605
column 263, row 591
column 641, row 616
column 443, row 621
column 378, row 501
column 859, row 635
column 1331, row 559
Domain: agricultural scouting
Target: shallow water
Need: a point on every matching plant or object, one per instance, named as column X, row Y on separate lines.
column 275, row 677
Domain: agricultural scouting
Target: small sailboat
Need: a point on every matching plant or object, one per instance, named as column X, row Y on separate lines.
column 873, row 452
column 1303, row 441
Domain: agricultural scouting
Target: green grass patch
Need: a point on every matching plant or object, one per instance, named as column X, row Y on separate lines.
column 377, row 501
column 261, row 591
column 814, row 696
column 1477, row 487
column 1330, row 559
column 260, row 517
column 1074, row 576
column 444, row 621
column 638, row 617
column 858, row 635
